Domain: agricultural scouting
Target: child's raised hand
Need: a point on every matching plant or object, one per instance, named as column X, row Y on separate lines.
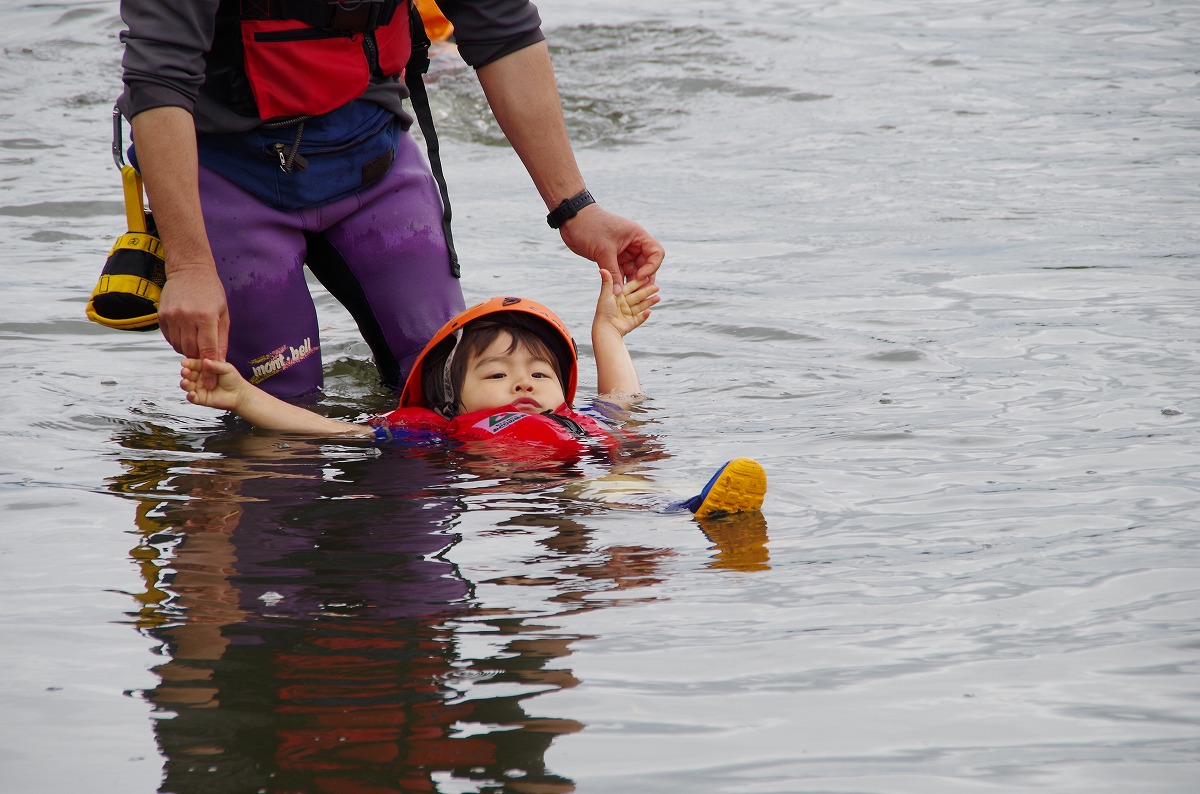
column 626, row 306
column 229, row 389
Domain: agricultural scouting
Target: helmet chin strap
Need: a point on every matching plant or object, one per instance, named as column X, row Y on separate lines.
column 448, row 396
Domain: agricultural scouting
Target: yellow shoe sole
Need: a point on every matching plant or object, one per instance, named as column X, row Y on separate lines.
column 737, row 487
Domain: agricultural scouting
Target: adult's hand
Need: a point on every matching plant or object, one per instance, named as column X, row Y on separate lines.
column 193, row 315
column 616, row 244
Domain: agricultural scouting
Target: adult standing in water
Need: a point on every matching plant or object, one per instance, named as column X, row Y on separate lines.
column 271, row 134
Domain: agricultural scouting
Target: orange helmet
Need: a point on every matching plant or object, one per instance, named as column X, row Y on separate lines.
column 438, row 352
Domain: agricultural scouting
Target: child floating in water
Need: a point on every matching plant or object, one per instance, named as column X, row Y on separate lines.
column 502, row 373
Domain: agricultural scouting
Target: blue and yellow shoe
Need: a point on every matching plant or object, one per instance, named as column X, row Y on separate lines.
column 738, row 487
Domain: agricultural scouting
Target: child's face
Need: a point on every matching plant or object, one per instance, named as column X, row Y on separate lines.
column 496, row 378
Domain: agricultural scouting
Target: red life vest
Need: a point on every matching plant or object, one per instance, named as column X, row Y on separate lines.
column 302, row 59
column 563, row 433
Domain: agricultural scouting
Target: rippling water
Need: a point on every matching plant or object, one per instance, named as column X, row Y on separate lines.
column 933, row 263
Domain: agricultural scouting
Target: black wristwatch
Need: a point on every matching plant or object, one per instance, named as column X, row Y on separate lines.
column 569, row 209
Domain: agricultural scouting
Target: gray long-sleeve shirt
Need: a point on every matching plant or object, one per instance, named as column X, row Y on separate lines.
column 167, row 47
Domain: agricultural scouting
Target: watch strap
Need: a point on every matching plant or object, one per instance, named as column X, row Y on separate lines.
column 569, row 208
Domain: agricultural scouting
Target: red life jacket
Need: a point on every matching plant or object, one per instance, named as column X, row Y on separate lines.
column 558, row 434
column 308, row 57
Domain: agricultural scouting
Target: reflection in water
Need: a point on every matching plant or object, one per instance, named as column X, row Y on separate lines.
column 316, row 636
column 740, row 541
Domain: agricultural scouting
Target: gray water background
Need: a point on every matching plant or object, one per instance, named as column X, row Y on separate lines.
column 933, row 263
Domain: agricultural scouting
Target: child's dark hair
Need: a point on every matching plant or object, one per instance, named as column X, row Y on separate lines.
column 528, row 332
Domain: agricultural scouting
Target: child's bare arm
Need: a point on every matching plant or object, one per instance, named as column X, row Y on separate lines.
column 616, row 315
column 234, row 393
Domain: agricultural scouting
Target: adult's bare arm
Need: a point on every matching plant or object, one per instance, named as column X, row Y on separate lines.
column 523, row 95
column 192, row 312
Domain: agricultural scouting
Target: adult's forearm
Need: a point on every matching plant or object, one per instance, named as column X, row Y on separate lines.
column 165, row 138
column 524, row 98
column 521, row 90
column 192, row 313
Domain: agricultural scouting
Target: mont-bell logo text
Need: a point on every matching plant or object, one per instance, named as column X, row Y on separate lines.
column 280, row 359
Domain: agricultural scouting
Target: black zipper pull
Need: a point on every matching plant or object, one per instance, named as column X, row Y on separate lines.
column 568, row 423
column 371, row 50
column 290, row 160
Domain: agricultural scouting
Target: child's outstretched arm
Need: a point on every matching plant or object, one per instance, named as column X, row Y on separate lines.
column 234, row 393
column 616, row 315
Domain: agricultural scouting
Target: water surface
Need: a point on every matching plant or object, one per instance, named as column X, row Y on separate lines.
column 934, row 264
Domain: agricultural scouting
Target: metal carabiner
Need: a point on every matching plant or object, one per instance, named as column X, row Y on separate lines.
column 118, row 155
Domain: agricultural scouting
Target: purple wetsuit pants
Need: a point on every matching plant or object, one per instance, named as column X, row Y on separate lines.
column 381, row 253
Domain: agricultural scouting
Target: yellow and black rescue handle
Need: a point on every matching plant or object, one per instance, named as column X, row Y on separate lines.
column 126, row 296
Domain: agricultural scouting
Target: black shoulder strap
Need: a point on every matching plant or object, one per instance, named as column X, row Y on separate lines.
column 418, row 64
column 358, row 16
